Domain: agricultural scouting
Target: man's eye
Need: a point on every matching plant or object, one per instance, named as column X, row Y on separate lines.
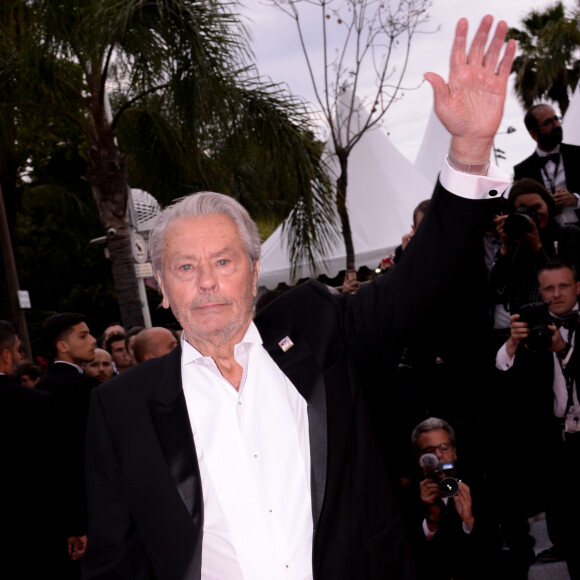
column 185, row 267
column 223, row 262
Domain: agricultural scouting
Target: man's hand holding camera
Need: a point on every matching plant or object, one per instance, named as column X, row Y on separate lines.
column 431, row 496
column 531, row 237
column 519, row 332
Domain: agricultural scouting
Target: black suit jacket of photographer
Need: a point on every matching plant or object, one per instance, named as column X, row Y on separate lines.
column 451, row 553
column 529, row 399
column 532, row 167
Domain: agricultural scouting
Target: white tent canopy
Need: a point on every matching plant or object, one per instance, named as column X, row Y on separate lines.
column 571, row 123
column 433, row 149
column 383, row 190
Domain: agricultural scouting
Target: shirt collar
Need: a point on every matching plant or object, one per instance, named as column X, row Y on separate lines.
column 546, row 153
column 574, row 308
column 191, row 354
column 78, row 367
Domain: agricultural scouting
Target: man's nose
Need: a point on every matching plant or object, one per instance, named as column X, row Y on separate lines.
column 207, row 279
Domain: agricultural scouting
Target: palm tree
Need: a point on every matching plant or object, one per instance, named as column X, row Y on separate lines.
column 186, row 109
column 549, row 61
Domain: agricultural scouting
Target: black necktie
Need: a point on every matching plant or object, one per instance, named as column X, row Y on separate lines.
column 554, row 157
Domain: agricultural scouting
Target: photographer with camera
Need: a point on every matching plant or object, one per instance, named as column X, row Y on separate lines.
column 530, row 237
column 453, row 532
column 544, row 373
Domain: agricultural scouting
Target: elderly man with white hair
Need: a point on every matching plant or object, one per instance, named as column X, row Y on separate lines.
column 247, row 452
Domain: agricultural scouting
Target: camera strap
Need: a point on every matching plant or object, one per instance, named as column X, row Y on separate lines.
column 569, row 372
column 551, row 181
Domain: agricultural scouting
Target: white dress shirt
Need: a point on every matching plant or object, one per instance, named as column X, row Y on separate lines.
column 554, row 177
column 504, row 362
column 253, row 451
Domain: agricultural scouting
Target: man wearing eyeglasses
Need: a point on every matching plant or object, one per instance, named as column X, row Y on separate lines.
column 452, row 529
column 553, row 163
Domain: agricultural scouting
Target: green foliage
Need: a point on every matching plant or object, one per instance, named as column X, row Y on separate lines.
column 548, row 63
column 188, row 112
column 57, row 264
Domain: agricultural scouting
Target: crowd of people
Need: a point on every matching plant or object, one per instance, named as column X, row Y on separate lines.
column 44, row 420
column 495, row 359
column 405, row 428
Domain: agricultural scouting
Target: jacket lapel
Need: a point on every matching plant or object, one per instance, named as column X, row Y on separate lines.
column 536, row 168
column 173, row 428
column 299, row 365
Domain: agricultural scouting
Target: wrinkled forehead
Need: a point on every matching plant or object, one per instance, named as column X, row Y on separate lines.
column 205, row 229
column 433, row 437
column 193, row 237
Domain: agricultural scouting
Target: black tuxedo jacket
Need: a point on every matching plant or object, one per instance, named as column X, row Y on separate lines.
column 531, row 167
column 32, row 486
column 70, row 392
column 144, row 487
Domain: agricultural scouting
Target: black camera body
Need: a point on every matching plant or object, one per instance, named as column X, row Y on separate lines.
column 449, row 485
column 441, row 473
column 519, row 223
column 537, row 317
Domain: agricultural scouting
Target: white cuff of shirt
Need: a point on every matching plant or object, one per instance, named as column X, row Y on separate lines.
column 429, row 534
column 503, row 361
column 488, row 186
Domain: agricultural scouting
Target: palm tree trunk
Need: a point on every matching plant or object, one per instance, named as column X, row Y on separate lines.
column 107, row 175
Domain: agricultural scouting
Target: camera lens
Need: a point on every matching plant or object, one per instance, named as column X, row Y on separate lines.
column 448, row 486
column 539, row 339
column 517, row 225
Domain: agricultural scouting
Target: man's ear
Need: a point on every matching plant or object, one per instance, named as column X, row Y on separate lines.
column 255, row 275
column 577, row 288
column 533, row 134
column 165, row 301
column 5, row 356
column 62, row 346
